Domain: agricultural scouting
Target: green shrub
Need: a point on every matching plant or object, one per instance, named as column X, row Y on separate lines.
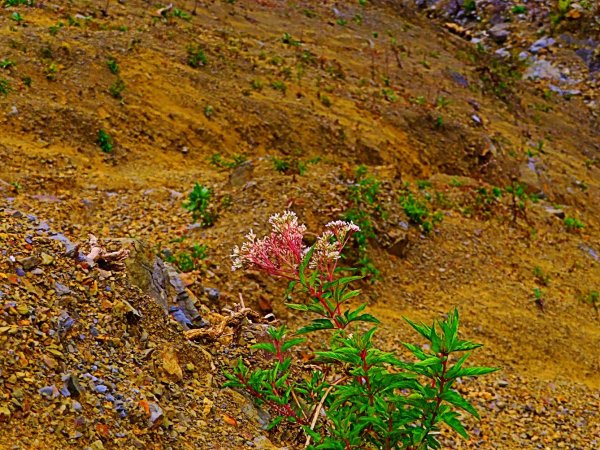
column 116, row 89
column 356, row 396
column 418, row 213
column 365, row 207
column 218, row 161
column 8, row 3
column 197, row 57
column 105, row 141
column 6, row 63
column 573, row 224
column 113, row 66
column 5, row 87
column 199, row 204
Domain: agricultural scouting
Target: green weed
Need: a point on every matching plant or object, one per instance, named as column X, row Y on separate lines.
column 199, row 204
column 105, row 141
column 573, row 224
column 113, row 66
column 196, row 57
column 6, row 63
column 116, row 89
column 218, row 161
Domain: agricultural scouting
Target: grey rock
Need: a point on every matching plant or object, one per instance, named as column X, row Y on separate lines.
column 542, row 69
column 564, row 92
column 213, row 294
column 503, row 53
column 530, row 177
column 542, row 43
column 30, row 262
column 502, row 383
column 49, row 391
column 72, row 384
column 241, row 174
column 555, row 212
column 400, row 246
column 499, row 33
column 61, row 289
column 156, row 415
column 459, row 78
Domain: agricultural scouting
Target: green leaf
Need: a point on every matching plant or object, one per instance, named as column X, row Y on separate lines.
column 350, row 294
column 304, row 265
column 315, row 325
column 351, row 314
column 462, row 346
column 450, row 330
column 436, row 342
column 430, row 361
column 289, row 344
column 266, row 346
column 345, row 280
column 296, row 306
column 275, row 422
column 455, row 398
column 366, row 318
column 475, row 371
column 450, row 418
column 344, row 354
column 422, row 329
column 420, row 354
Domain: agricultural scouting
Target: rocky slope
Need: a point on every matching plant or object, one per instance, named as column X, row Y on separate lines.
column 437, row 96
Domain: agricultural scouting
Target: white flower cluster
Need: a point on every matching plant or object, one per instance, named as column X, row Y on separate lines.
column 285, row 222
column 327, row 250
column 341, row 229
column 237, row 255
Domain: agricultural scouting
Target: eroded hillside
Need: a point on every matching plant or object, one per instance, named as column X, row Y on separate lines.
column 109, row 116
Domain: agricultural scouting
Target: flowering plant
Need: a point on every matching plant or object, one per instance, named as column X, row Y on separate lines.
column 357, row 396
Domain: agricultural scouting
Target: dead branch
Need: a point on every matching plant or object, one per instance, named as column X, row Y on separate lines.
column 234, row 321
column 107, row 260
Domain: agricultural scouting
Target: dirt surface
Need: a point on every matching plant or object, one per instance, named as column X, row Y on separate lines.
column 326, row 88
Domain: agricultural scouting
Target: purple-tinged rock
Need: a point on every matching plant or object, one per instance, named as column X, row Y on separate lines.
column 61, row 289
column 49, row 391
column 72, row 383
column 156, row 415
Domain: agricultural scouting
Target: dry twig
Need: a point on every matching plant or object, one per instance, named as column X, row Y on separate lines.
column 107, row 260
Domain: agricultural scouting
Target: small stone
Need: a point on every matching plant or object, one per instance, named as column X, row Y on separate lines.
column 4, row 414
column 72, row 384
column 400, row 246
column 46, row 259
column 556, row 212
column 502, row 383
column 213, row 294
column 49, row 391
column 499, row 33
column 156, row 415
column 242, row 174
column 30, row 262
column 97, row 445
column 171, row 364
column 50, row 362
column 541, row 44
column 61, row 289
column 207, row 405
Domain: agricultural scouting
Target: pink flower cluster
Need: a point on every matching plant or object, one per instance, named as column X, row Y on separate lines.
column 281, row 252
